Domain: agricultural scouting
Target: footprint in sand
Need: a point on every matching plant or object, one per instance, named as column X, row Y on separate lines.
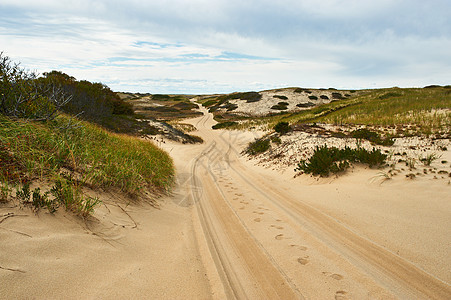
column 303, row 260
column 337, row 276
column 257, row 220
column 278, row 220
column 239, row 195
column 341, row 295
column 235, row 198
column 300, row 247
column 334, row 276
column 278, row 227
column 279, row 237
column 242, row 207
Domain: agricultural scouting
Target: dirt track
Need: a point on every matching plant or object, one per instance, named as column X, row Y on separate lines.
column 266, row 243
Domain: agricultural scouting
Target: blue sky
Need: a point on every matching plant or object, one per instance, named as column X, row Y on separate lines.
column 218, row 46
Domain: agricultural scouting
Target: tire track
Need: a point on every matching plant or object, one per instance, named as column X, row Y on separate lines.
column 250, row 275
column 360, row 250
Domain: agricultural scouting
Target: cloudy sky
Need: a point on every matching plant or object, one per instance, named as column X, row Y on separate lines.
column 208, row 46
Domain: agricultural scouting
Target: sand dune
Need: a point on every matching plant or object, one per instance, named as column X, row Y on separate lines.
column 233, row 229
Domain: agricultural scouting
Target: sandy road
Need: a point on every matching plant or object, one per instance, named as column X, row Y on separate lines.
column 266, row 243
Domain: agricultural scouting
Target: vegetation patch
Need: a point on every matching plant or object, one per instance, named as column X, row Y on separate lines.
column 327, row 160
column 258, row 146
column 224, row 124
column 372, row 137
column 282, row 127
column 324, row 97
column 248, row 96
column 280, row 97
column 279, row 107
column 306, row 105
column 336, row 95
column 313, row 97
column 39, row 142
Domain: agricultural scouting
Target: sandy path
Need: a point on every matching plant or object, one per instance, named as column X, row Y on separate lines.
column 234, row 230
column 308, row 248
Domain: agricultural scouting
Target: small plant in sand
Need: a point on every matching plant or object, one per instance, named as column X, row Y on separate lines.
column 4, row 192
column 411, row 162
column 24, row 194
column 383, row 176
column 71, row 197
column 429, row 158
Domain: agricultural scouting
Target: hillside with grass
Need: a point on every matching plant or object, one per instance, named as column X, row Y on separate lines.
column 426, row 110
column 44, row 143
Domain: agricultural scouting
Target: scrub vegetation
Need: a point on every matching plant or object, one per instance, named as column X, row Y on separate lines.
column 42, row 141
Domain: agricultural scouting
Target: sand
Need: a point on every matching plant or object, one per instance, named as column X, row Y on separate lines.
column 236, row 229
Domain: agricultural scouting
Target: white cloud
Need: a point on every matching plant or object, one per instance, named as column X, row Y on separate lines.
column 219, row 46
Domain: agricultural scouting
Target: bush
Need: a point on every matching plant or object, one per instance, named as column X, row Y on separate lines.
column 333, row 160
column 281, row 97
column 337, row 96
column 279, row 107
column 372, row 137
column 258, row 146
column 24, row 95
column 282, row 127
column 313, row 97
column 304, row 105
column 224, row 124
column 248, row 96
column 324, row 97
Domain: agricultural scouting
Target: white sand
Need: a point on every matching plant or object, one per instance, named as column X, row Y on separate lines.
column 234, row 229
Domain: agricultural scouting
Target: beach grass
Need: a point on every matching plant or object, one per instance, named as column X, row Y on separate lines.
column 34, row 150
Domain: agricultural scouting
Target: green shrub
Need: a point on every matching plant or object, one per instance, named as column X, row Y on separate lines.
column 282, row 127
column 327, row 160
column 276, row 139
column 248, row 96
column 224, row 124
column 279, row 107
column 313, row 97
column 372, row 137
column 336, row 96
column 305, row 105
column 324, row 97
column 209, row 103
column 258, row 146
column 281, row 97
